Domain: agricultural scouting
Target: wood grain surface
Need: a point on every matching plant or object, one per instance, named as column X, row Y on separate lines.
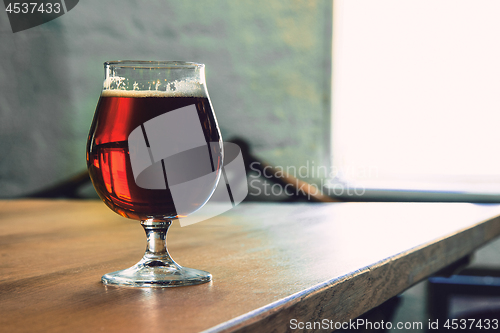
column 270, row 263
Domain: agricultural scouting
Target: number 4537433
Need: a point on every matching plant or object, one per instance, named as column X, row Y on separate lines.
column 467, row 324
column 32, row 7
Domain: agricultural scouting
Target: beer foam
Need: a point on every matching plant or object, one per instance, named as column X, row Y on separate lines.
column 171, row 89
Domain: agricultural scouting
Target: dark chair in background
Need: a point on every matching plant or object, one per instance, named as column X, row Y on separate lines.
column 472, row 297
column 303, row 191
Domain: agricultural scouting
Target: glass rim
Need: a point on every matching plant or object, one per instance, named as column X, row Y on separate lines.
column 152, row 64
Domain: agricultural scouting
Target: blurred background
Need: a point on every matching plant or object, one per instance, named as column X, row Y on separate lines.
column 375, row 95
column 267, row 68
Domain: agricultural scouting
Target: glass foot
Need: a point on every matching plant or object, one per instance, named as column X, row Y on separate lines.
column 156, row 268
column 156, row 274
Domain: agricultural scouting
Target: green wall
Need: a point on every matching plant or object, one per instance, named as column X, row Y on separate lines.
column 268, row 75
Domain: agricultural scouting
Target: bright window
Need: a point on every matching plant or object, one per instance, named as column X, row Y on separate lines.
column 416, row 94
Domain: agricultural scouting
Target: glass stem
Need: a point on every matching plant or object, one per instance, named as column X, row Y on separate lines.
column 156, row 251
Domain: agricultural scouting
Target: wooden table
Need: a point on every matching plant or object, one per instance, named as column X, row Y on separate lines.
column 271, row 263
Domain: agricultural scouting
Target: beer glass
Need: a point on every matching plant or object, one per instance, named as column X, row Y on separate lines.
column 154, row 154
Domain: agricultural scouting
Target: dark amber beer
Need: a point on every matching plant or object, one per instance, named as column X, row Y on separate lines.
column 118, row 113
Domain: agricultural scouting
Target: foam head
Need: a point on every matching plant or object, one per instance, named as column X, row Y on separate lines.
column 176, row 88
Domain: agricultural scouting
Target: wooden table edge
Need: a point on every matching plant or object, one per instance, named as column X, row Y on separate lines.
column 315, row 303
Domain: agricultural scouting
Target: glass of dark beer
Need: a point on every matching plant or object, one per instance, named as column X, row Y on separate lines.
column 154, row 154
